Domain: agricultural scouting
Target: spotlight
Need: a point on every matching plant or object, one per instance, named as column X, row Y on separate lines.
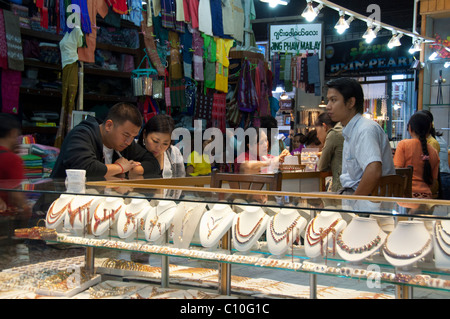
column 416, row 46
column 371, row 33
column 310, row 13
column 343, row 24
column 395, row 40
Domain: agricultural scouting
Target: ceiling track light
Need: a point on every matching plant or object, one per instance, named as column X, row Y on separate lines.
column 371, row 32
column 274, row 3
column 310, row 13
column 343, row 24
column 395, row 40
column 416, row 46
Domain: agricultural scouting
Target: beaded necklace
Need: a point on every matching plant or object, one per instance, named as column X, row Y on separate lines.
column 321, row 235
column 357, row 250
column 439, row 237
column 284, row 234
column 248, row 236
column 106, row 216
column 77, row 211
column 130, row 219
column 215, row 223
column 405, row 256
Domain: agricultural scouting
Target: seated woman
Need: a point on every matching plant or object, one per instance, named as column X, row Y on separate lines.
column 256, row 158
column 419, row 154
column 156, row 137
column 330, row 135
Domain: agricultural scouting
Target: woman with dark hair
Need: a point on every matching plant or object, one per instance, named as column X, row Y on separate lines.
column 256, row 158
column 419, row 154
column 156, row 137
column 329, row 133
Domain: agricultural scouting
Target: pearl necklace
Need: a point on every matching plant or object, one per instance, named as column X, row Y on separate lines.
column 321, row 235
column 357, row 250
column 405, row 256
column 285, row 233
column 248, row 236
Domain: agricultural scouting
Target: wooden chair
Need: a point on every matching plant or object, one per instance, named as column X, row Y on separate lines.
column 390, row 186
column 247, row 181
column 408, row 173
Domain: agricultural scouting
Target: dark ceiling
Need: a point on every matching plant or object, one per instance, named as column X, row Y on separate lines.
column 398, row 13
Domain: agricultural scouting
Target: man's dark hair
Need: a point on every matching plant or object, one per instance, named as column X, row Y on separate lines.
column 8, row 122
column 349, row 88
column 122, row 112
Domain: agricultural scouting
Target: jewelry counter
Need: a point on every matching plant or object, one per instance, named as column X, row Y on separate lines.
column 389, row 241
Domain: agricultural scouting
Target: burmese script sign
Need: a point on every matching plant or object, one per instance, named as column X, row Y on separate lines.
column 358, row 58
column 296, row 38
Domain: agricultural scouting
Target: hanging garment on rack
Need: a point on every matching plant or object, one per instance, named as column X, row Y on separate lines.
column 197, row 46
column 69, row 92
column 94, row 7
column 238, row 20
column 168, row 15
column 247, row 98
column 210, row 59
column 191, row 12
column 227, row 17
column 216, row 18
column 223, row 47
column 150, row 46
column 186, row 50
column 218, row 113
column 10, row 81
column 205, row 23
column 134, row 12
column 314, row 73
column 175, row 66
column 3, row 50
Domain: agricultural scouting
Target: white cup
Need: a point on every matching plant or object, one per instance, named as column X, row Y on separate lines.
column 75, row 180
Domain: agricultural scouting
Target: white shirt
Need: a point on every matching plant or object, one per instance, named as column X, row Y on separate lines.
column 69, row 46
column 364, row 142
column 108, row 153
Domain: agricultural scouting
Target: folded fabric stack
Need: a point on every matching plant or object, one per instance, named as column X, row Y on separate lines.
column 48, row 155
column 32, row 165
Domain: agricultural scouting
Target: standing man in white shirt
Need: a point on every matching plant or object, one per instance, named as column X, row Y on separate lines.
column 367, row 154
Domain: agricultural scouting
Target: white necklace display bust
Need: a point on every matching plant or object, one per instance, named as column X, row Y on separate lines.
column 441, row 241
column 248, row 227
column 360, row 239
column 105, row 215
column 321, row 233
column 159, row 219
column 283, row 229
column 187, row 218
column 214, row 224
column 57, row 211
column 132, row 217
column 409, row 242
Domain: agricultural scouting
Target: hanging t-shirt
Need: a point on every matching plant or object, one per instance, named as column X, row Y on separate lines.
column 69, row 46
column 191, row 12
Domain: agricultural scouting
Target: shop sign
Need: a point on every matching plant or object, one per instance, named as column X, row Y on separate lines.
column 296, row 38
column 358, row 58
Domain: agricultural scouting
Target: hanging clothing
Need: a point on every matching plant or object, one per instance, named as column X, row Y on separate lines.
column 13, row 41
column 205, row 23
column 11, row 81
column 227, row 17
column 150, row 45
column 223, row 47
column 209, row 56
column 238, row 20
column 191, row 12
column 197, row 46
column 94, row 7
column 3, row 50
column 134, row 12
column 69, row 93
column 175, row 66
column 216, row 18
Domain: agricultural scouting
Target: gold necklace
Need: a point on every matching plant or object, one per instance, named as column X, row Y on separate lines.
column 186, row 217
column 130, row 219
column 214, row 224
column 52, row 217
column 321, row 235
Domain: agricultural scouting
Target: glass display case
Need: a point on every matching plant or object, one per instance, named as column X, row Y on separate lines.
column 400, row 242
